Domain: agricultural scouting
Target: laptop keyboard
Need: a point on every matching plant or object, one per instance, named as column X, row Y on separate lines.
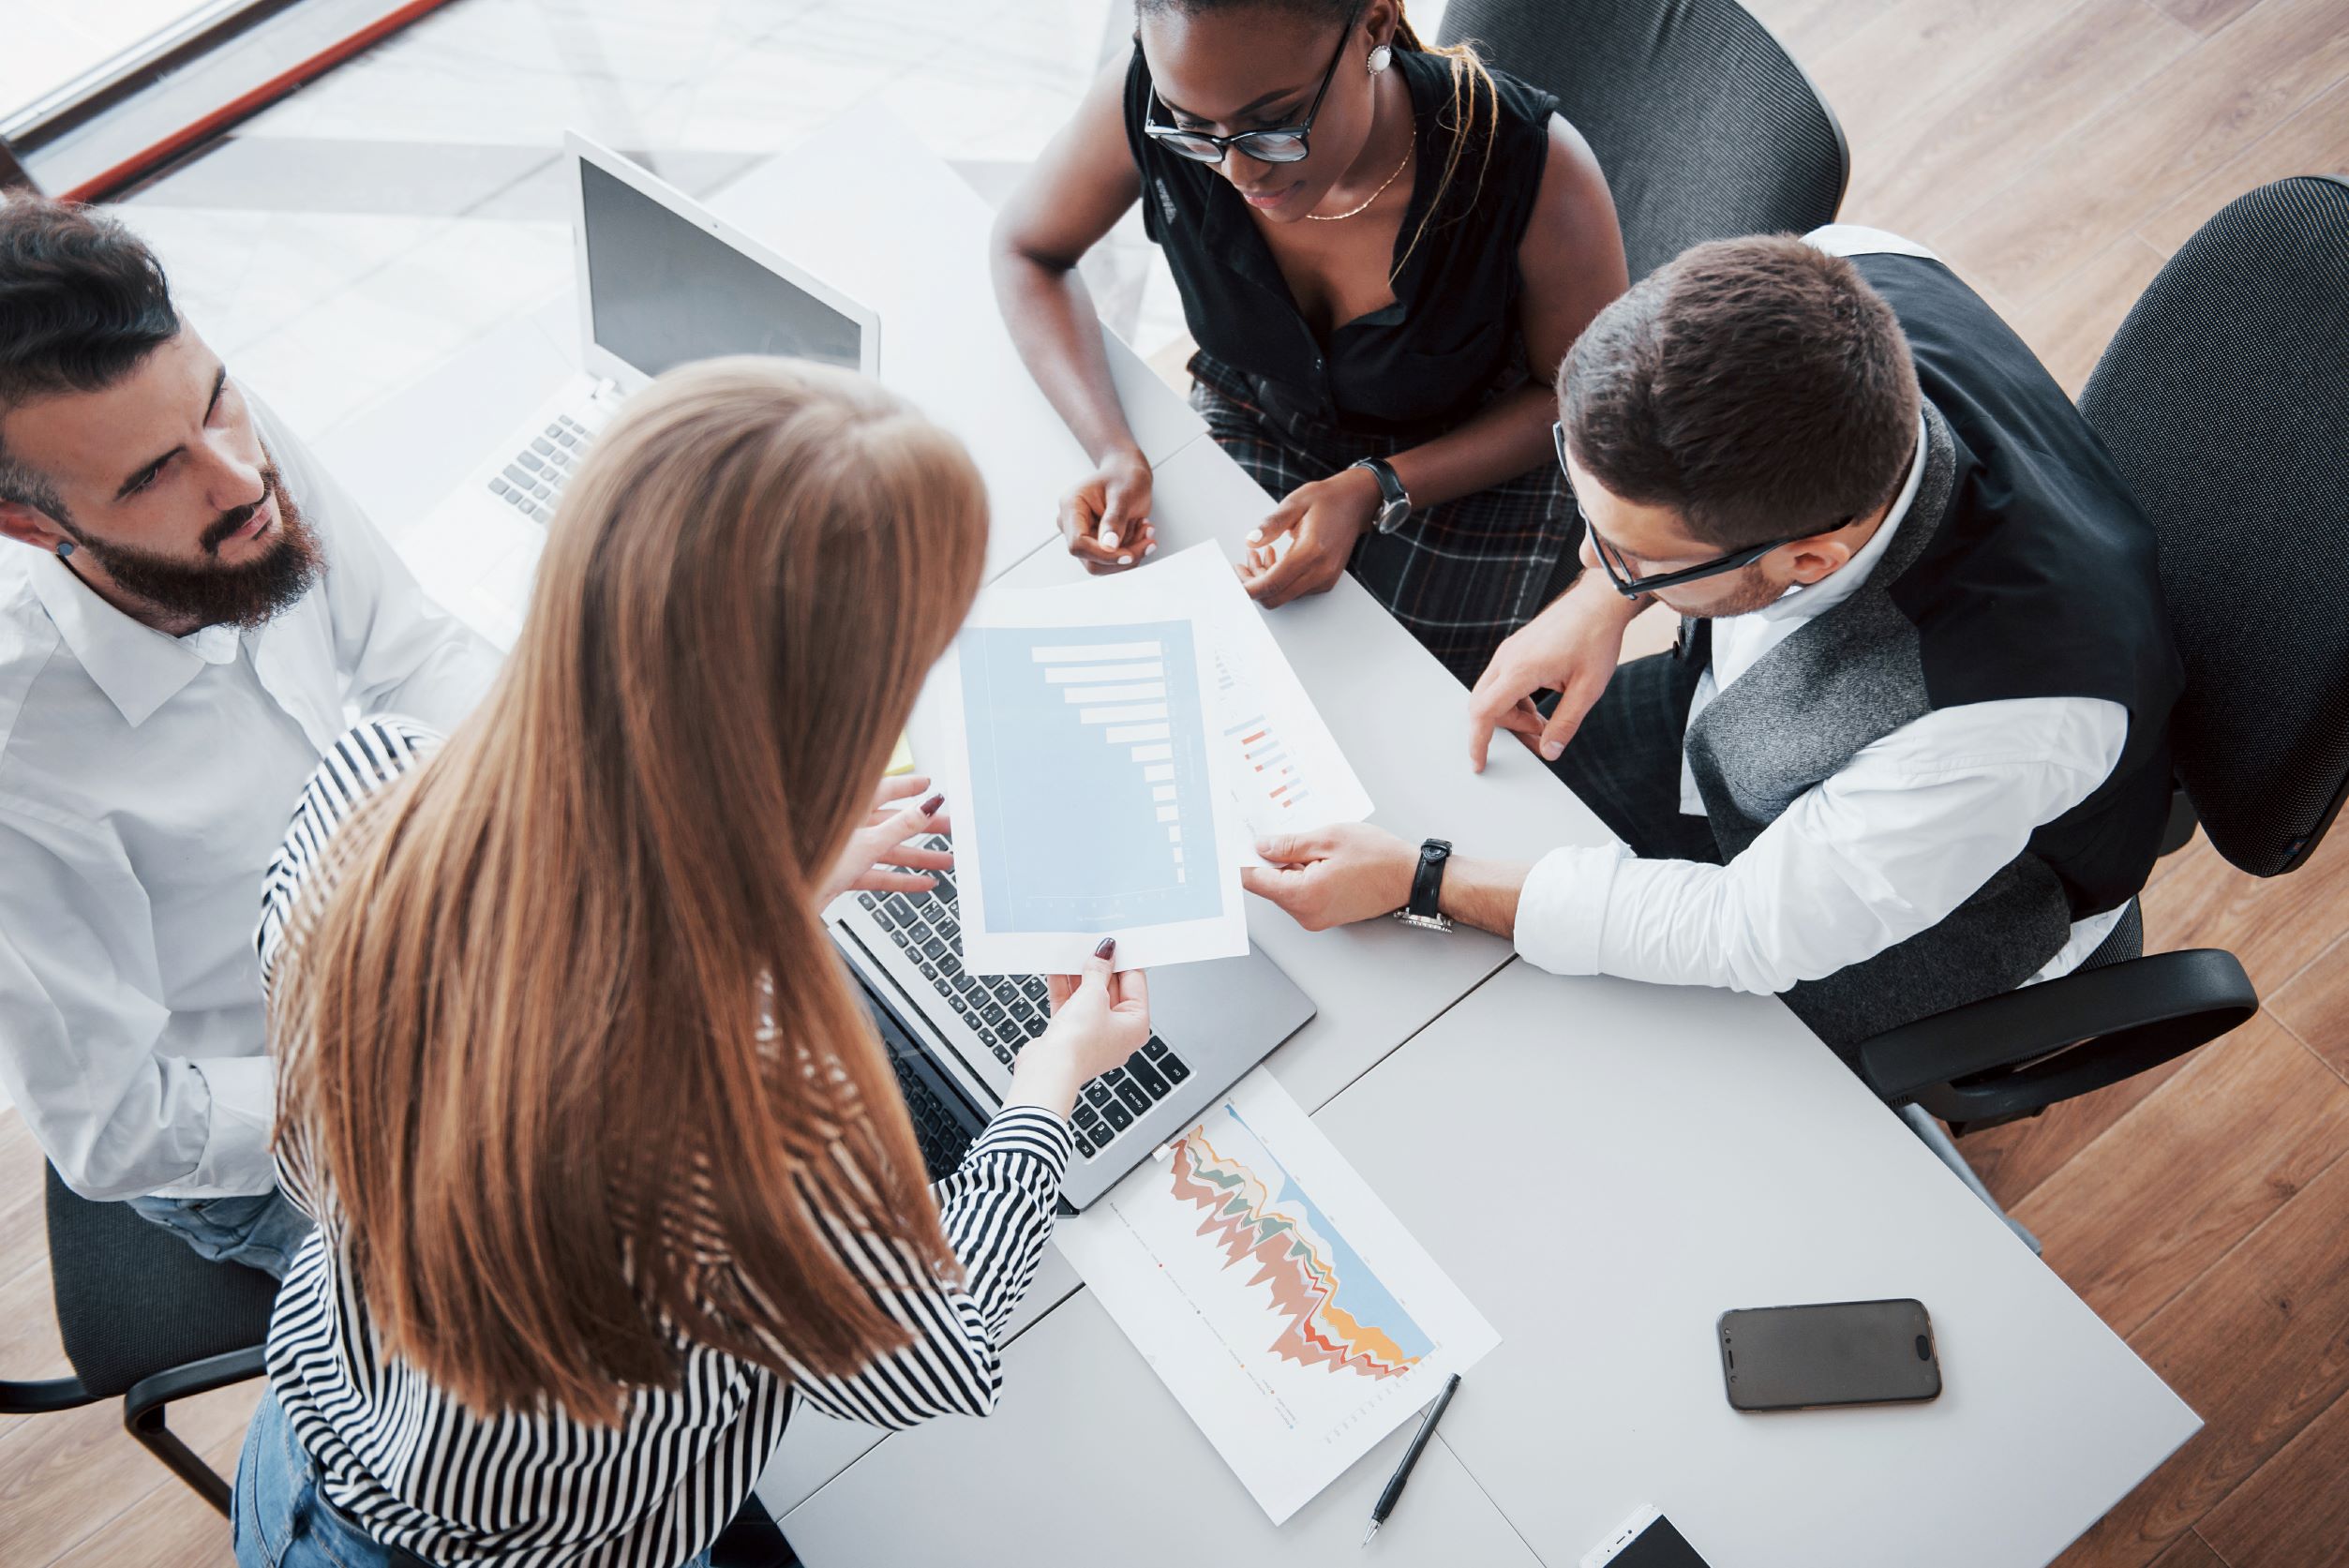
column 940, row 1133
column 532, row 480
column 1006, row 1011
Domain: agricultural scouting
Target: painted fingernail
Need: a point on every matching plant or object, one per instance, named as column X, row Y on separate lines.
column 1125, row 560
column 1107, row 949
column 1255, row 535
column 1149, row 549
column 930, row 807
column 1109, row 541
column 1551, row 751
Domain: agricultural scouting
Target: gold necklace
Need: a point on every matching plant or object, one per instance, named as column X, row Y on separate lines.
column 1338, row 217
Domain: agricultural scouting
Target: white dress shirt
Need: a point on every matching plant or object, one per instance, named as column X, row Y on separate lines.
column 1888, row 846
column 145, row 780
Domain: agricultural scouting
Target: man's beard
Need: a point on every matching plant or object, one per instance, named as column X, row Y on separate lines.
column 243, row 596
column 1752, row 591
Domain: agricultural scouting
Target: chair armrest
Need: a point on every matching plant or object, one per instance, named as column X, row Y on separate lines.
column 196, row 1377
column 47, row 1394
column 2022, row 1050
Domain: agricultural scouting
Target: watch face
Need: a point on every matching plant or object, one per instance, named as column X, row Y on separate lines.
column 1391, row 515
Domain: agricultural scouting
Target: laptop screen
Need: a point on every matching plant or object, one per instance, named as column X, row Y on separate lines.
column 663, row 292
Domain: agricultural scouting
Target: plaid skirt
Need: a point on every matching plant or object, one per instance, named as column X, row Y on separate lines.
column 1459, row 576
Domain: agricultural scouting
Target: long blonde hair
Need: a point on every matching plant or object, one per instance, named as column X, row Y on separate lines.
column 563, row 1038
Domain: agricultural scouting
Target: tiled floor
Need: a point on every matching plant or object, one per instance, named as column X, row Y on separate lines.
column 345, row 240
column 47, row 45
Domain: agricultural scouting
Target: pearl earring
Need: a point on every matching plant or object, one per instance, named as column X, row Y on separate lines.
column 65, row 548
column 1380, row 57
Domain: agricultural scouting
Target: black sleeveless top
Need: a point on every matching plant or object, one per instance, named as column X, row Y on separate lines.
column 1415, row 368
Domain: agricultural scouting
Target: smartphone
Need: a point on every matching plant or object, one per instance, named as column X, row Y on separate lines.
column 1646, row 1540
column 1843, row 1353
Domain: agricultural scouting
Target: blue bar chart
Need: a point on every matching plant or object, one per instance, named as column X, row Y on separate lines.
column 1089, row 767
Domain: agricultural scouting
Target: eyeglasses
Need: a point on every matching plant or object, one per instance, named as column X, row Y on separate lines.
column 1619, row 568
column 1275, row 145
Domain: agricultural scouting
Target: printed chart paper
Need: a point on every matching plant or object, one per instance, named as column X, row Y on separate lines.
column 1284, row 766
column 1088, row 789
column 1283, row 1305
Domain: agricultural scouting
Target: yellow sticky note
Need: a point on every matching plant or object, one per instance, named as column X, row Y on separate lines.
column 902, row 759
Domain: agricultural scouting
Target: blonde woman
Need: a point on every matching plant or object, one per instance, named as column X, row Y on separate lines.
column 609, row 1169
column 1383, row 251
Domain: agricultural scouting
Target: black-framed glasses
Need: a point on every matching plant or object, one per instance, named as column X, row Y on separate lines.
column 1273, row 144
column 1619, row 568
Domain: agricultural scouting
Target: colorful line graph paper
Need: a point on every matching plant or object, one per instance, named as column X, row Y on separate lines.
column 1284, row 1306
column 1333, row 1308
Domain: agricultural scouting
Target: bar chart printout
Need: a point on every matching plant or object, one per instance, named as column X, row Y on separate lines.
column 1274, row 790
column 1091, row 792
column 1284, row 1305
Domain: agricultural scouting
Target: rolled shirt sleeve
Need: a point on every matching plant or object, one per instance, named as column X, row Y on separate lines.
column 125, row 1096
column 1885, row 849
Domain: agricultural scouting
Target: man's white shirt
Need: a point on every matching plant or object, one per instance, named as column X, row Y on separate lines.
column 1888, row 846
column 145, row 780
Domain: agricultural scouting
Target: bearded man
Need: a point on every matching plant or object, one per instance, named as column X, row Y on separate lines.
column 195, row 609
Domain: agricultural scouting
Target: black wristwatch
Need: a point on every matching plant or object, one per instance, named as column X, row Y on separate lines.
column 1426, row 888
column 1394, row 500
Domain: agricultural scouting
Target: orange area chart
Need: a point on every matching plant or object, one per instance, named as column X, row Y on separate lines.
column 1333, row 1311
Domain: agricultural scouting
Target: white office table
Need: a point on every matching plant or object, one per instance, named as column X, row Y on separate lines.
column 1606, row 1167
column 943, row 345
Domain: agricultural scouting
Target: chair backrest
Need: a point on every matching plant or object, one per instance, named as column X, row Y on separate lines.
column 134, row 1300
column 1705, row 126
column 2225, row 398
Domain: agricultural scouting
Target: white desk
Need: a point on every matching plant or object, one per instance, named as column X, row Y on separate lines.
column 910, row 240
column 1675, row 1152
column 1606, row 1167
column 1402, row 719
column 1011, row 1491
column 943, row 345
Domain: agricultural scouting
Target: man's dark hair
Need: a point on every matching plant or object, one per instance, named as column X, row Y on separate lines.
column 83, row 302
column 1757, row 387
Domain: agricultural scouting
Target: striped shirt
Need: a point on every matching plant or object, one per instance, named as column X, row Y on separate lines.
column 417, row 1470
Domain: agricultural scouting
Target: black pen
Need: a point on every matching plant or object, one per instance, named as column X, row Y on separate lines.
column 1388, row 1497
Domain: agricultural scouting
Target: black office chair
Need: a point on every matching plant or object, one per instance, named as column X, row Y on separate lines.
column 2223, row 398
column 143, row 1317
column 1705, row 126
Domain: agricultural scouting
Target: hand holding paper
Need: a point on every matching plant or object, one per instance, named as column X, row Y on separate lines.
column 1114, row 749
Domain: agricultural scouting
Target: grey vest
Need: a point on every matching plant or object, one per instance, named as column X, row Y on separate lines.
column 1849, row 677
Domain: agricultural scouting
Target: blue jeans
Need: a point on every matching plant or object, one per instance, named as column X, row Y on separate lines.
column 279, row 1519
column 261, row 1231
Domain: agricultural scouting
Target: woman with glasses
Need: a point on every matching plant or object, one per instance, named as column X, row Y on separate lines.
column 1384, row 252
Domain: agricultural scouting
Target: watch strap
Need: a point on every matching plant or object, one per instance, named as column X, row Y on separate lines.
column 1394, row 500
column 1427, row 884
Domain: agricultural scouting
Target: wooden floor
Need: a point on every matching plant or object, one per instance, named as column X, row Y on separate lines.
column 2055, row 151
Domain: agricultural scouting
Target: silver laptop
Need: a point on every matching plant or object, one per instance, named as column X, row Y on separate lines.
column 660, row 282
column 954, row 1036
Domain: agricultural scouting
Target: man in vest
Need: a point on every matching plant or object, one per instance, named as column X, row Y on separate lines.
column 1912, row 747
